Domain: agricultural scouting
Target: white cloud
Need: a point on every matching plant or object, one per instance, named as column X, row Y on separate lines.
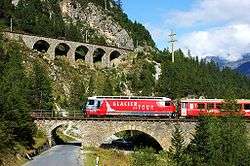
column 229, row 42
column 212, row 11
column 159, row 34
column 225, row 28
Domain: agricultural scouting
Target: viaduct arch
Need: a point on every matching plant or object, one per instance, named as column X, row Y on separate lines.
column 72, row 50
column 94, row 133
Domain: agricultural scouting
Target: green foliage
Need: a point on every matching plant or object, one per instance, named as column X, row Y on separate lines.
column 16, row 124
column 190, row 76
column 177, row 146
column 41, row 88
column 220, row 141
column 146, row 157
column 44, row 18
column 72, row 32
column 108, row 88
column 6, row 9
column 78, row 96
column 36, row 17
column 142, row 76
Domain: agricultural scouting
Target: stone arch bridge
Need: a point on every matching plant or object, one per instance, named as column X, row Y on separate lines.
column 73, row 50
column 95, row 132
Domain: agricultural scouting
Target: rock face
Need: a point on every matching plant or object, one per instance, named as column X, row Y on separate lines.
column 96, row 18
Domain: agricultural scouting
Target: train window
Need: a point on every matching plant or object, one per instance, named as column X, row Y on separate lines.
column 210, row 106
column 247, row 106
column 183, row 105
column 191, row 106
column 167, row 103
column 98, row 104
column 201, row 106
column 91, row 102
column 218, row 106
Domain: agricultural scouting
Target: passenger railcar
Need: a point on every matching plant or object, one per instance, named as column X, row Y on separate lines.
column 129, row 106
column 198, row 107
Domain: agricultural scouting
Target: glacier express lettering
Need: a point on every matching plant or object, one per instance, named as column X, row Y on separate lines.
column 124, row 103
column 135, row 105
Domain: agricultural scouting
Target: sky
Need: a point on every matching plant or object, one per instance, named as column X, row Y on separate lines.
column 206, row 27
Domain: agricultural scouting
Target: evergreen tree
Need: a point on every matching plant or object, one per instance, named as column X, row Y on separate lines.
column 91, row 87
column 13, row 98
column 119, row 4
column 78, row 97
column 108, row 88
column 41, row 88
column 220, row 141
column 145, row 157
column 177, row 146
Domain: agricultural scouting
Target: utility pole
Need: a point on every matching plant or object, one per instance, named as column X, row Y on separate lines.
column 11, row 24
column 172, row 41
column 105, row 4
column 189, row 53
column 86, row 36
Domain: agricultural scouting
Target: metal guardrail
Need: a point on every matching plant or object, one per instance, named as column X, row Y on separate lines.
column 81, row 116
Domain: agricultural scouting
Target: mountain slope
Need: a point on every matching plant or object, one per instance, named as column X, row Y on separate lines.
column 242, row 66
column 244, row 69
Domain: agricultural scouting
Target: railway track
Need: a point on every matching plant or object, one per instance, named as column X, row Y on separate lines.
column 149, row 119
column 115, row 119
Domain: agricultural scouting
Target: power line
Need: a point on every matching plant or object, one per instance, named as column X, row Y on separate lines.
column 172, row 41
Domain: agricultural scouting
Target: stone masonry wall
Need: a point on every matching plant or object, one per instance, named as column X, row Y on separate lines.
column 94, row 133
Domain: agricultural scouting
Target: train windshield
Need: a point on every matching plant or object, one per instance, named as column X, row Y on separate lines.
column 167, row 103
column 91, row 102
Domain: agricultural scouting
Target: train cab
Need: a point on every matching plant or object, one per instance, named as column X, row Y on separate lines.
column 93, row 106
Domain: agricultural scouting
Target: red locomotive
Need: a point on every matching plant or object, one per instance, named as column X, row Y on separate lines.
column 197, row 107
column 129, row 106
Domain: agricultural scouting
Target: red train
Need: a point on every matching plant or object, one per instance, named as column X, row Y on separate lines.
column 157, row 106
column 197, row 107
column 129, row 106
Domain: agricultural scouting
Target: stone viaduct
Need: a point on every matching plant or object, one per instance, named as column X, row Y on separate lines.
column 95, row 132
column 73, row 50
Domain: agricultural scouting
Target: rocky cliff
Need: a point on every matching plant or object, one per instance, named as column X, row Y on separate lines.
column 98, row 19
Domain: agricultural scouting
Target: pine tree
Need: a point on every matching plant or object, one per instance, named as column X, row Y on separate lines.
column 78, row 97
column 176, row 150
column 119, row 4
column 108, row 88
column 220, row 141
column 14, row 95
column 41, row 88
column 91, row 86
column 145, row 157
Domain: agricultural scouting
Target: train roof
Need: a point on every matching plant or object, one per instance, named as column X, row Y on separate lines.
column 214, row 100
column 130, row 97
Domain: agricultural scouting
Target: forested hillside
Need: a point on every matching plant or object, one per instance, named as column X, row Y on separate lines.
column 29, row 81
column 16, row 125
column 45, row 18
column 190, row 76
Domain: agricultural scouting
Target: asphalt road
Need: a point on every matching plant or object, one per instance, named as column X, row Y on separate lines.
column 60, row 155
